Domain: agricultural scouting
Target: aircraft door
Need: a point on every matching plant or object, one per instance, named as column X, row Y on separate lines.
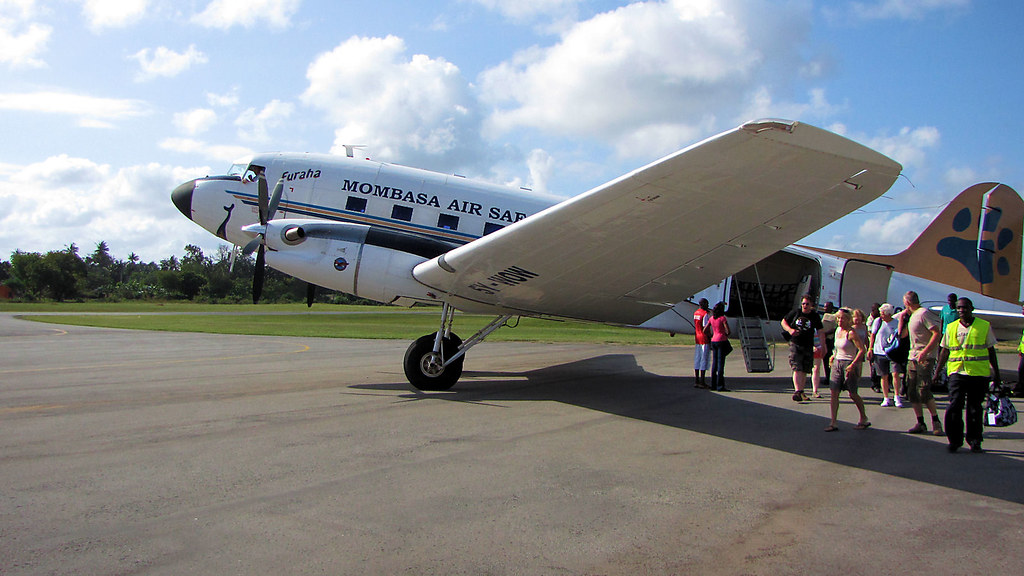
column 864, row 283
column 805, row 286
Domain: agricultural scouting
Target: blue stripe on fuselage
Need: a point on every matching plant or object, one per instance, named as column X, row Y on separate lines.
column 336, row 215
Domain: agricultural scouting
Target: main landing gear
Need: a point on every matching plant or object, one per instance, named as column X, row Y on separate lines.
column 434, row 362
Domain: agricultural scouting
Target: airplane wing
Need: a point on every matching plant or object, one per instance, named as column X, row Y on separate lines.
column 628, row 249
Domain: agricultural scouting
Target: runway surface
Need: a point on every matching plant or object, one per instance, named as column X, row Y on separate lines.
column 140, row 452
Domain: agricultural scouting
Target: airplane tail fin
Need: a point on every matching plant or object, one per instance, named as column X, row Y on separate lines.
column 973, row 244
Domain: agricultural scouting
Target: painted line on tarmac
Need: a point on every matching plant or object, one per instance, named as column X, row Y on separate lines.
column 78, row 367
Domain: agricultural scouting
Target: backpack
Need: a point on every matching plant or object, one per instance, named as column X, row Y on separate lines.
column 999, row 411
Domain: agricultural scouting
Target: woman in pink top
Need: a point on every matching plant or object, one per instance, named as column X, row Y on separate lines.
column 718, row 326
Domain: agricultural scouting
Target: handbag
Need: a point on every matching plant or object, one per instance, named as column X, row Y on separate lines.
column 897, row 349
column 999, row 411
column 726, row 347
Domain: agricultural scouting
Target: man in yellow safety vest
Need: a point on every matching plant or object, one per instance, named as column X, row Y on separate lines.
column 969, row 354
column 1018, row 390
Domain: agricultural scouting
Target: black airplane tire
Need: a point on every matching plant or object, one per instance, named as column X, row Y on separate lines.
column 418, row 363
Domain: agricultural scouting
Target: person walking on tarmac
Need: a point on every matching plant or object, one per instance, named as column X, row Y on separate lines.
column 802, row 325
column 923, row 326
column 968, row 352
column 1018, row 390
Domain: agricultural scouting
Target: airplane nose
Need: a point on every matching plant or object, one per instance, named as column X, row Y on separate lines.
column 182, row 198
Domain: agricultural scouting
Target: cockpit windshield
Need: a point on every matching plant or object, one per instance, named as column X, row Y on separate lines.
column 238, row 168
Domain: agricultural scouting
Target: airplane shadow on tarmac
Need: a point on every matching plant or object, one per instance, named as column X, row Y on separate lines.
column 617, row 384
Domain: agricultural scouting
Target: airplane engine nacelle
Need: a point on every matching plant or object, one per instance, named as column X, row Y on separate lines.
column 353, row 258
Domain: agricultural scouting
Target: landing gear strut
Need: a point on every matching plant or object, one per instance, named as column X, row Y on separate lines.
column 434, row 362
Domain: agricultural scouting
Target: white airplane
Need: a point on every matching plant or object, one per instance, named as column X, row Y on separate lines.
column 630, row 252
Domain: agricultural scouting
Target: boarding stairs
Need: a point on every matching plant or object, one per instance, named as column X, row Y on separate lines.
column 757, row 353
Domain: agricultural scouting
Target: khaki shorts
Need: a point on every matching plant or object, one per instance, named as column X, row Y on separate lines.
column 919, row 380
column 840, row 381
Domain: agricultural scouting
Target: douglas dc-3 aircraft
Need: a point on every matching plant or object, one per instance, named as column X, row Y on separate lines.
column 631, row 252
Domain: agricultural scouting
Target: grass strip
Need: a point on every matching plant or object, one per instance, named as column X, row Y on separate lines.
column 353, row 322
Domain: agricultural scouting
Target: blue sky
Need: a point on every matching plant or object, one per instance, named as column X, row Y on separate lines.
column 106, row 105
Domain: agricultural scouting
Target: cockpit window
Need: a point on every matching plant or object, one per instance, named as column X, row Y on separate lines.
column 237, row 169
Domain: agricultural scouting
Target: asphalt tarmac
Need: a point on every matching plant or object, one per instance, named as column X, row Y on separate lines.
column 129, row 452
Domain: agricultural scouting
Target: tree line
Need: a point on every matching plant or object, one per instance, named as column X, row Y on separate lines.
column 65, row 275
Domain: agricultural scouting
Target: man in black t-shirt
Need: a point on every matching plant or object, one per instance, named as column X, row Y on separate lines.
column 802, row 325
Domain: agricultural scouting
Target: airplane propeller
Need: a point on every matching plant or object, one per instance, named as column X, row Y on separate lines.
column 267, row 205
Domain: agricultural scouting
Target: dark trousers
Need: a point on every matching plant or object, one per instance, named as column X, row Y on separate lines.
column 966, row 392
column 1019, row 388
column 717, row 365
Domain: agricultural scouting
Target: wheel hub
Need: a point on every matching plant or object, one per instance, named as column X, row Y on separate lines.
column 431, row 364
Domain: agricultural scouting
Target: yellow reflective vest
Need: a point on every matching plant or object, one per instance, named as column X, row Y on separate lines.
column 970, row 356
column 1020, row 347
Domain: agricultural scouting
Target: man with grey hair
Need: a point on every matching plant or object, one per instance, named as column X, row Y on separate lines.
column 881, row 329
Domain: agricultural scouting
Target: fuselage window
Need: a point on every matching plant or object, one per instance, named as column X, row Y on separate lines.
column 402, row 213
column 448, row 221
column 354, row 204
column 491, row 227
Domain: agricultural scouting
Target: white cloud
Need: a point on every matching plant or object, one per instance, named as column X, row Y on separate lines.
column 64, row 200
column 908, row 147
column 102, row 14
column 889, row 233
column 17, row 9
column 646, row 77
column 62, row 170
column 527, row 9
column 221, row 152
column 960, row 177
column 90, row 111
column 195, row 121
column 903, row 9
column 405, row 108
column 554, row 15
column 228, row 100
column 22, row 41
column 224, row 14
column 816, row 108
column 541, row 165
column 166, row 62
column 255, row 126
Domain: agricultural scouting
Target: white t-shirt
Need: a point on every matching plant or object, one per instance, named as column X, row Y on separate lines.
column 882, row 330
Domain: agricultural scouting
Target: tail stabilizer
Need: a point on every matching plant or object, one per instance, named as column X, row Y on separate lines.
column 973, row 244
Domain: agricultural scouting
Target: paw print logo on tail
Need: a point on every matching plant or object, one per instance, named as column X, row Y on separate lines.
column 982, row 259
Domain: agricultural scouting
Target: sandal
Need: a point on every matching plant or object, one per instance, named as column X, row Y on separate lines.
column 862, row 426
column 831, row 428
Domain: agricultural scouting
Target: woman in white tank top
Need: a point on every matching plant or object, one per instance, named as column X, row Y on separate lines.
column 850, row 352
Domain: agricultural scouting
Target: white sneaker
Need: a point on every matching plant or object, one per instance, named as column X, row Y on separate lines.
column 899, row 403
column 885, row 403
